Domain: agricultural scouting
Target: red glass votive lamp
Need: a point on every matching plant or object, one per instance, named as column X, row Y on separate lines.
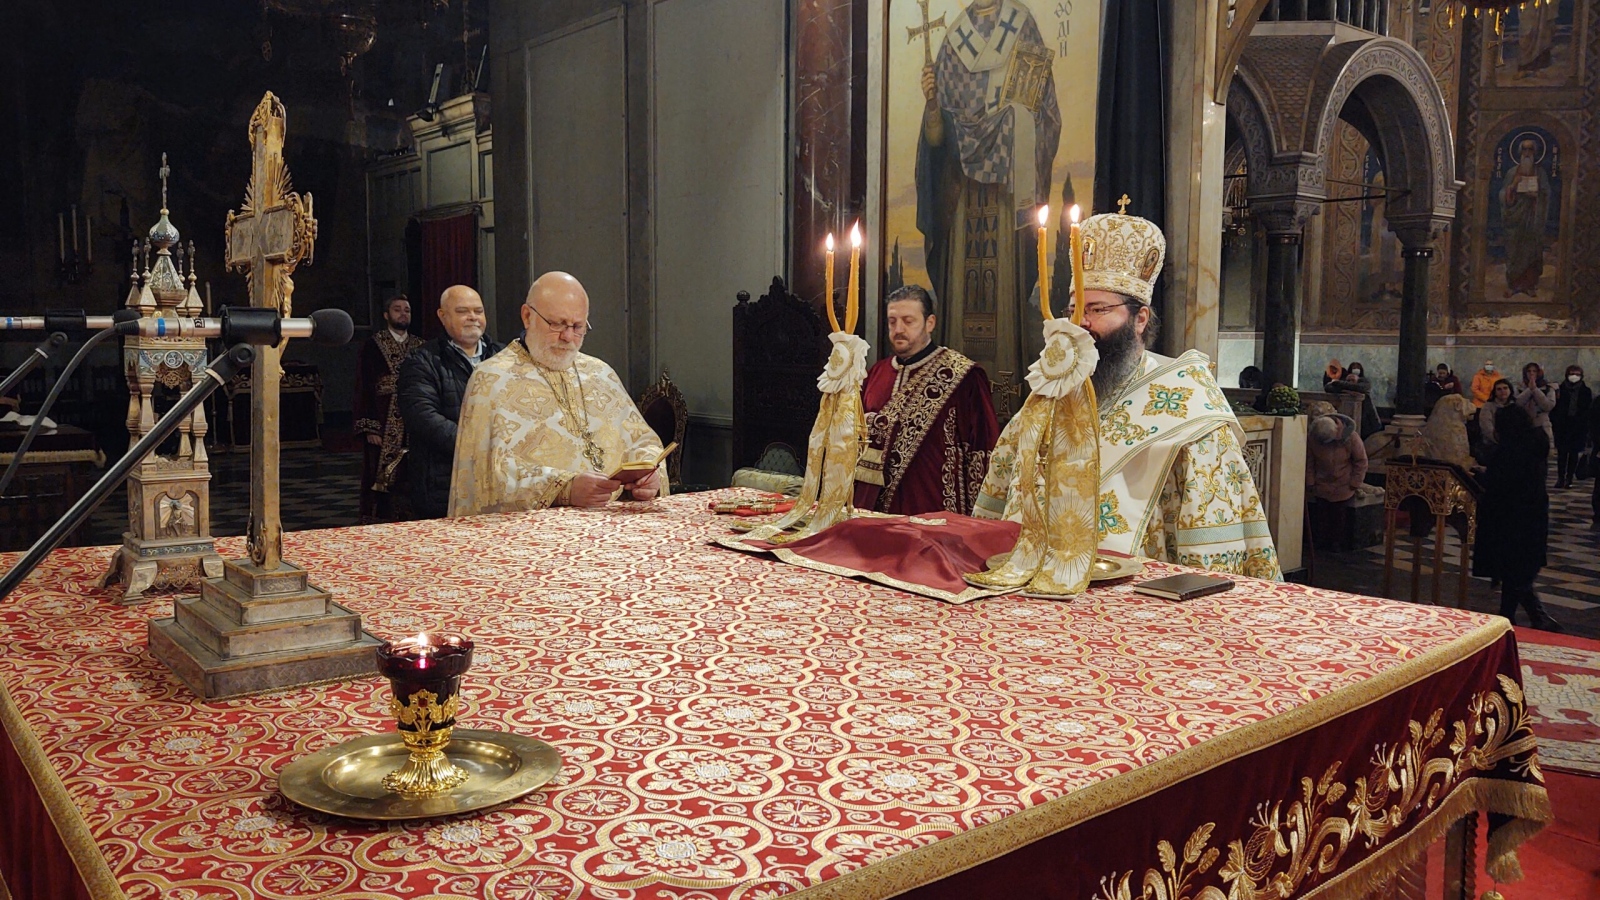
column 425, row 673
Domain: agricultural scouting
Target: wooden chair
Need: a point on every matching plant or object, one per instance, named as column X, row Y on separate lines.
column 780, row 345
column 664, row 410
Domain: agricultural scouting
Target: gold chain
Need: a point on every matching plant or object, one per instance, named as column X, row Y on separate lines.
column 591, row 451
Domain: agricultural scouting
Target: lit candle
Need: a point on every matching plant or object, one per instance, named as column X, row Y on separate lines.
column 853, row 304
column 827, row 291
column 1044, row 261
column 61, row 236
column 1076, row 250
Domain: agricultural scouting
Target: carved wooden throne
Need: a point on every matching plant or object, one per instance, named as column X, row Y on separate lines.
column 780, row 345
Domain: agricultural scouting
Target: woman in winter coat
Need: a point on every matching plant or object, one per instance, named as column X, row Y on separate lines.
column 1537, row 397
column 1569, row 422
column 1514, row 516
column 1336, row 465
column 1499, row 398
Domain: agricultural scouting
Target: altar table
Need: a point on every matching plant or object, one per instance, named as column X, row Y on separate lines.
column 732, row 727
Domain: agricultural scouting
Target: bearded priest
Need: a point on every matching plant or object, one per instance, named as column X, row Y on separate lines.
column 544, row 425
column 1174, row 485
column 930, row 423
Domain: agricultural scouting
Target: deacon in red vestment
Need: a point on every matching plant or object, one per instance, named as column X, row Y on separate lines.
column 930, row 422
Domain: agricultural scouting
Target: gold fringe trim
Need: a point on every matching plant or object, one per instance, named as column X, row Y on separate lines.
column 1530, row 803
column 959, row 852
column 74, row 832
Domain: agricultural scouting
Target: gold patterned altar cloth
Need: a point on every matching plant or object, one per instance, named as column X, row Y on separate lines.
column 732, row 727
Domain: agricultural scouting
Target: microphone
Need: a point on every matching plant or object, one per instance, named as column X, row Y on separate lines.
column 250, row 325
column 67, row 320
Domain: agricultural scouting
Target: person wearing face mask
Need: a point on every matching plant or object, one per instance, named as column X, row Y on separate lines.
column 1569, row 421
column 1537, row 397
column 1483, row 382
column 1354, row 380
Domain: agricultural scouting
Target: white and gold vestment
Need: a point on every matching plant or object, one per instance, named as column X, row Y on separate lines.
column 1174, row 484
column 527, row 431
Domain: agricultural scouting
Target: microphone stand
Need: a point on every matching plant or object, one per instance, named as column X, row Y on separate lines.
column 225, row 367
column 40, row 355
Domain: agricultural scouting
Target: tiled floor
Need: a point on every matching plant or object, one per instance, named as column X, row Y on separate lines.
column 317, row 489
column 1569, row 585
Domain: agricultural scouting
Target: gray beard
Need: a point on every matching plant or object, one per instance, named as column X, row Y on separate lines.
column 1121, row 355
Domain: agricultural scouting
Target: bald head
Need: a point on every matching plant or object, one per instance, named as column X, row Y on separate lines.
column 556, row 315
column 461, row 313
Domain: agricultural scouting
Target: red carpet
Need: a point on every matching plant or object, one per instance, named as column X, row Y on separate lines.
column 1562, row 862
column 1561, row 675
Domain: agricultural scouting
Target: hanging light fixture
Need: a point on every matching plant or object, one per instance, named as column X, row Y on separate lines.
column 1496, row 10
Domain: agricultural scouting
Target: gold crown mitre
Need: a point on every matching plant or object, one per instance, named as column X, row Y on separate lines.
column 1122, row 253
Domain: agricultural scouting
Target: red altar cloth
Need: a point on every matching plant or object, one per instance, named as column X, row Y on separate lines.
column 926, row 555
column 735, row 728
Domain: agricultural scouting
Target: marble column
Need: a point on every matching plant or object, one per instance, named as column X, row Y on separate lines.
column 1279, row 329
column 1194, row 182
column 1413, row 363
column 829, row 175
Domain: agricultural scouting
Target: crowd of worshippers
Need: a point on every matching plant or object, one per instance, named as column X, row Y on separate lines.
column 1503, row 433
column 462, row 425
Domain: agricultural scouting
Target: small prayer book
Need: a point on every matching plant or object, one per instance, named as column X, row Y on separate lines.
column 1183, row 587
column 629, row 472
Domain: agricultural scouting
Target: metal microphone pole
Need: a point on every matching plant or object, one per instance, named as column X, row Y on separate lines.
column 40, row 355
column 225, row 367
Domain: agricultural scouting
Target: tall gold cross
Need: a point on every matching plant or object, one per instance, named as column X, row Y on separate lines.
column 1122, row 205
column 925, row 31
column 273, row 232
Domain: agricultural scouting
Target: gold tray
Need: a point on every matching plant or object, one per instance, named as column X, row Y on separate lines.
column 1105, row 568
column 347, row 779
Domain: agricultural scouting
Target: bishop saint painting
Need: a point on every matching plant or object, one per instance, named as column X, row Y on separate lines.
column 974, row 101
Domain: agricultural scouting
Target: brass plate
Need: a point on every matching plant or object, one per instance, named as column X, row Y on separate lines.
column 1105, row 568
column 347, row 779
column 1110, row 568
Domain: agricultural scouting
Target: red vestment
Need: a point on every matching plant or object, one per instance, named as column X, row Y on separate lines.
column 932, row 424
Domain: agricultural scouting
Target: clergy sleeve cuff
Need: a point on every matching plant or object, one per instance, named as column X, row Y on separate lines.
column 368, row 426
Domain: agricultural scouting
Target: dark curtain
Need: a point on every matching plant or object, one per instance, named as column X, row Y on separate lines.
column 1131, row 124
column 449, row 256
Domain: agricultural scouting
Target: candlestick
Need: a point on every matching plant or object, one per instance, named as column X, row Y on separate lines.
column 827, row 280
column 853, row 304
column 61, row 237
column 1076, row 249
column 424, row 673
column 1044, row 261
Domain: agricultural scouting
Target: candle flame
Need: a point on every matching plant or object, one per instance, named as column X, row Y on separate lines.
column 855, row 235
column 1044, row 216
column 830, row 242
column 1073, row 213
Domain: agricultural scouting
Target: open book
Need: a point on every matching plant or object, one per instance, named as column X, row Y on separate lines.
column 629, row 472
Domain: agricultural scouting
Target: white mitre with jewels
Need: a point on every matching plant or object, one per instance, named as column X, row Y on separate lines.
column 1122, row 253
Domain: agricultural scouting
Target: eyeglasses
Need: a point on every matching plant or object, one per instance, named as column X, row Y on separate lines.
column 1101, row 310
column 579, row 329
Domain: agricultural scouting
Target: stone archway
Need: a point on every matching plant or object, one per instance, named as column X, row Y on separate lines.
column 1285, row 99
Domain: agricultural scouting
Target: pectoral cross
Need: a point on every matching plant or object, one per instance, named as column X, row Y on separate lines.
column 1006, row 391
column 273, row 232
column 1122, row 205
column 925, row 32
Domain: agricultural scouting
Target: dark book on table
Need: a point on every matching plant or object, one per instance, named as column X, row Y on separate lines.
column 1183, row 587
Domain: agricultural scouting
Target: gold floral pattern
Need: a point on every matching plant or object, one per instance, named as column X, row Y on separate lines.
column 1293, row 849
column 1168, row 401
column 714, row 756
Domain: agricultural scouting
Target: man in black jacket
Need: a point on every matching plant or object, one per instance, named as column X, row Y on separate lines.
column 432, row 382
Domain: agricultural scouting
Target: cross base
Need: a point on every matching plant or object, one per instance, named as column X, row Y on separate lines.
column 255, row 630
